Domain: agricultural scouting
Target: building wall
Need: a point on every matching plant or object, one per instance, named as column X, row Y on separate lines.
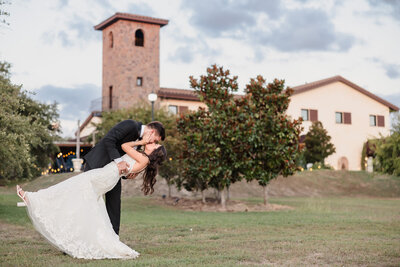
column 347, row 138
column 124, row 62
column 90, row 127
column 192, row 105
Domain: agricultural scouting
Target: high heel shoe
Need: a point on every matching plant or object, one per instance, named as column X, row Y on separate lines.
column 22, row 196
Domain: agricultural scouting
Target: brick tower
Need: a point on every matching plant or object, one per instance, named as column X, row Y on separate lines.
column 131, row 59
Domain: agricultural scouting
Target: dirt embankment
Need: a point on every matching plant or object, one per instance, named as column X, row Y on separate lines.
column 311, row 184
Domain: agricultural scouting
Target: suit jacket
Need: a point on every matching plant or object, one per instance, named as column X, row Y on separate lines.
column 109, row 148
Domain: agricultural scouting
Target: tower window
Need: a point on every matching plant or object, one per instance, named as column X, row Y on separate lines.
column 110, row 97
column 111, row 39
column 139, row 81
column 139, row 38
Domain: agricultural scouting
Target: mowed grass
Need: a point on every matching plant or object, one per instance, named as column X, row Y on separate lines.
column 334, row 231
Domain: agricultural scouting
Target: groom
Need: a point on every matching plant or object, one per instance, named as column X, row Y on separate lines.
column 109, row 149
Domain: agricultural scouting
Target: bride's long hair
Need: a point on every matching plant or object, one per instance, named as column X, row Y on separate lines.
column 149, row 177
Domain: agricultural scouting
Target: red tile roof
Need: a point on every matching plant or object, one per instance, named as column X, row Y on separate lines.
column 313, row 85
column 131, row 17
column 180, row 94
column 185, row 94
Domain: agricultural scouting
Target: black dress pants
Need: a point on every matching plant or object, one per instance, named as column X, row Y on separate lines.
column 113, row 203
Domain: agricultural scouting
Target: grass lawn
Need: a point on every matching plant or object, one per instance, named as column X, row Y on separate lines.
column 334, row 231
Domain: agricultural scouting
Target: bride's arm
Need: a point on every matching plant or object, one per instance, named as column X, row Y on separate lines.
column 141, row 160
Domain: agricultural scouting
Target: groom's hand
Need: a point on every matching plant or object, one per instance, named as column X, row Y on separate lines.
column 123, row 167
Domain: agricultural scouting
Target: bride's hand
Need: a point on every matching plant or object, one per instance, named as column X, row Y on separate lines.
column 148, row 139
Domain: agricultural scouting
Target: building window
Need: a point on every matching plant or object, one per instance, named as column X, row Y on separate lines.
column 377, row 120
column 110, row 96
column 372, row 120
column 309, row 114
column 304, row 114
column 173, row 109
column 183, row 109
column 111, row 39
column 139, row 81
column 339, row 117
column 381, row 121
column 139, row 38
column 347, row 117
column 343, row 117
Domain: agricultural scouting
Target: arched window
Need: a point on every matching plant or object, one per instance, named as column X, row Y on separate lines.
column 111, row 39
column 139, row 38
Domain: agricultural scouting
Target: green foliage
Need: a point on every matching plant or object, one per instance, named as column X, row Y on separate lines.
column 272, row 138
column 363, row 156
column 212, row 137
column 237, row 137
column 26, row 131
column 318, row 145
column 170, row 169
column 388, row 152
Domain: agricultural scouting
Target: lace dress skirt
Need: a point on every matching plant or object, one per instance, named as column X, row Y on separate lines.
column 72, row 215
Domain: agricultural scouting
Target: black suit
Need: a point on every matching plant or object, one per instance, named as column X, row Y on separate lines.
column 108, row 149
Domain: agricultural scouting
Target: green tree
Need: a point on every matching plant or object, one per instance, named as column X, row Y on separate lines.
column 388, row 152
column 170, row 169
column 238, row 137
column 318, row 145
column 212, row 137
column 194, row 154
column 26, row 131
column 272, row 146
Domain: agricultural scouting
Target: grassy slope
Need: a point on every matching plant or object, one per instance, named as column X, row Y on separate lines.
column 346, row 229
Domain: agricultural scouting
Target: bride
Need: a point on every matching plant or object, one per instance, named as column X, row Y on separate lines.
column 72, row 215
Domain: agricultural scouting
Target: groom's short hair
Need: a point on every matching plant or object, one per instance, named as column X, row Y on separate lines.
column 159, row 127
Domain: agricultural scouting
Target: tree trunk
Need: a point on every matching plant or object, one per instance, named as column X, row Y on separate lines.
column 217, row 194
column 203, row 197
column 223, row 200
column 169, row 191
column 265, row 195
column 227, row 193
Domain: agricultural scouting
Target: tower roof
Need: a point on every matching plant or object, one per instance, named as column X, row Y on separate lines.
column 131, row 17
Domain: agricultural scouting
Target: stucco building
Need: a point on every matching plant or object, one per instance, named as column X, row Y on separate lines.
column 350, row 113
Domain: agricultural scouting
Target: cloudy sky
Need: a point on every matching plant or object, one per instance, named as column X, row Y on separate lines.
column 56, row 53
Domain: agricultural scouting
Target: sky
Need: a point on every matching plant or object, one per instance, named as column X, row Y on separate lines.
column 57, row 55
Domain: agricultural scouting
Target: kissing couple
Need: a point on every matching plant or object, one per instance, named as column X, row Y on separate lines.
column 73, row 216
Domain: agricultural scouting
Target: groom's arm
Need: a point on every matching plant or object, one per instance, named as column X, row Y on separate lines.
column 116, row 135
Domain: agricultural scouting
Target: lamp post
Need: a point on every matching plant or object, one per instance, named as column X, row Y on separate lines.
column 77, row 162
column 152, row 98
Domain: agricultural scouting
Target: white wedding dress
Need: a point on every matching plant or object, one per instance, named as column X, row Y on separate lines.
column 72, row 215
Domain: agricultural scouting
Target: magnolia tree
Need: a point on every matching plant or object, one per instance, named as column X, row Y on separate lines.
column 237, row 137
column 210, row 154
column 272, row 137
column 195, row 152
